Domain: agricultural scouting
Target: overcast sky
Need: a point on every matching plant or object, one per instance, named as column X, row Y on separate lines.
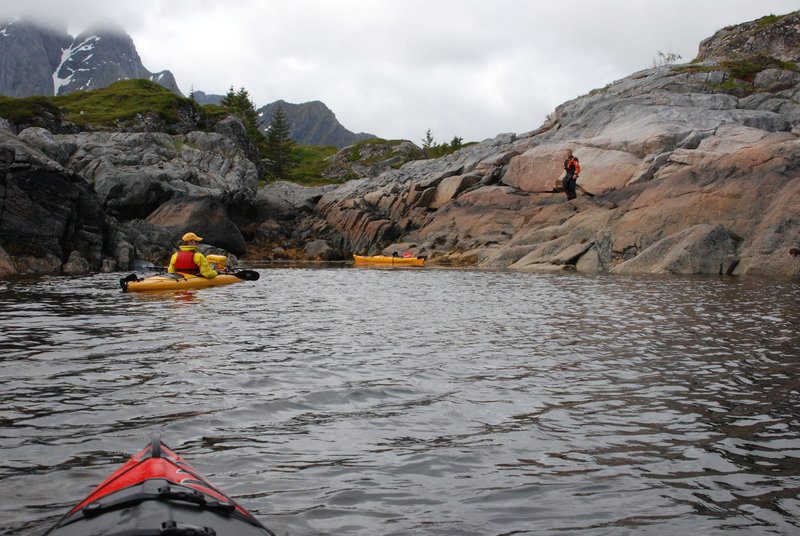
column 396, row 68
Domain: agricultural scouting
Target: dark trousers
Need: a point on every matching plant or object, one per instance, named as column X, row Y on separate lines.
column 569, row 182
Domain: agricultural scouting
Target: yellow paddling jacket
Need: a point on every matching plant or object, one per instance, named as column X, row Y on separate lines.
column 181, row 262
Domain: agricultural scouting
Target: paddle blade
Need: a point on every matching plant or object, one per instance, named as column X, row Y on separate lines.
column 143, row 266
column 248, row 275
column 125, row 280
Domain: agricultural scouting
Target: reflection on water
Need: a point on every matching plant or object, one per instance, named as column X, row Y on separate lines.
column 419, row 401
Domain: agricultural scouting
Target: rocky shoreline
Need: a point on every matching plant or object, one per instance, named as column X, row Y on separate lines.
column 692, row 172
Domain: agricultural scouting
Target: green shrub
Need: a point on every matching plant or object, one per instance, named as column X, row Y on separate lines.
column 354, row 155
column 116, row 105
column 742, row 71
column 28, row 110
column 747, row 68
column 120, row 103
column 355, row 151
column 309, row 163
column 771, row 19
column 213, row 113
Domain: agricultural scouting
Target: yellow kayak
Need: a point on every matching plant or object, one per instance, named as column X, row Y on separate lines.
column 390, row 260
column 180, row 281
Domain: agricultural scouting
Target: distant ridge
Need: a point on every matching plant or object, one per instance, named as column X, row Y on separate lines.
column 312, row 123
column 203, row 98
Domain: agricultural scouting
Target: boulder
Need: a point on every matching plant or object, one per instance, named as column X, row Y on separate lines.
column 132, row 194
column 76, row 264
column 319, row 250
column 450, row 187
column 44, row 141
column 701, row 249
column 231, row 128
column 7, row 266
column 44, row 216
column 284, row 200
column 134, row 173
column 205, row 216
column 541, row 168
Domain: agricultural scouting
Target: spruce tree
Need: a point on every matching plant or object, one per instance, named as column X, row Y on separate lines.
column 427, row 141
column 279, row 145
column 239, row 104
column 229, row 100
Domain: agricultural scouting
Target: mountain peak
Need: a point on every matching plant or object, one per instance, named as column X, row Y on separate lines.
column 39, row 59
column 312, row 123
column 107, row 27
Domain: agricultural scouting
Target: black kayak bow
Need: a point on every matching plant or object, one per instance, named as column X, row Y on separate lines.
column 247, row 275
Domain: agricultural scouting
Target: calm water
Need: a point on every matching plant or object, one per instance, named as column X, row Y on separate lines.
column 416, row 402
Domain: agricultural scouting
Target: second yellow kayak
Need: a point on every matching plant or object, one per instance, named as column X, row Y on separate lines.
column 390, row 260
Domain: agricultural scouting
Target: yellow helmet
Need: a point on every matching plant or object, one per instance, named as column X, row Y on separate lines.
column 191, row 236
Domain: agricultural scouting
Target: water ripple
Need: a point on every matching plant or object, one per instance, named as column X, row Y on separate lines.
column 359, row 401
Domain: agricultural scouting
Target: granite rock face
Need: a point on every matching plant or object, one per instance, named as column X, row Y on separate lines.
column 97, row 201
column 370, row 158
column 48, row 216
column 135, row 173
column 680, row 175
column 779, row 38
column 29, row 55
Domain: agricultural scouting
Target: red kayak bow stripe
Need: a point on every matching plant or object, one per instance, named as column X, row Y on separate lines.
column 163, row 463
column 157, row 493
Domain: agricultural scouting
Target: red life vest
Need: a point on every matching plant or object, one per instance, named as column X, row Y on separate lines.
column 184, row 262
column 571, row 164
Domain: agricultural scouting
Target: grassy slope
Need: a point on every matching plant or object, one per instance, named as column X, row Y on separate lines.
column 121, row 103
column 113, row 106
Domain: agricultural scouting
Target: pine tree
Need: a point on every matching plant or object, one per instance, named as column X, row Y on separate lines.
column 229, row 100
column 427, row 141
column 239, row 103
column 279, row 143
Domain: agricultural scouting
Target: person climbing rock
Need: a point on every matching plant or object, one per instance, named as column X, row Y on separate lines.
column 572, row 168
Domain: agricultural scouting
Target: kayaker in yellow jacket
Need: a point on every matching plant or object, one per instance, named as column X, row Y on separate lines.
column 190, row 261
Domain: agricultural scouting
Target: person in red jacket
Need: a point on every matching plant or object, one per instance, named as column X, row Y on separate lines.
column 571, row 168
column 190, row 261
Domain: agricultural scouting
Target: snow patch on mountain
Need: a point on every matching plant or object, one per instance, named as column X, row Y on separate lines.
column 4, row 28
column 73, row 54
